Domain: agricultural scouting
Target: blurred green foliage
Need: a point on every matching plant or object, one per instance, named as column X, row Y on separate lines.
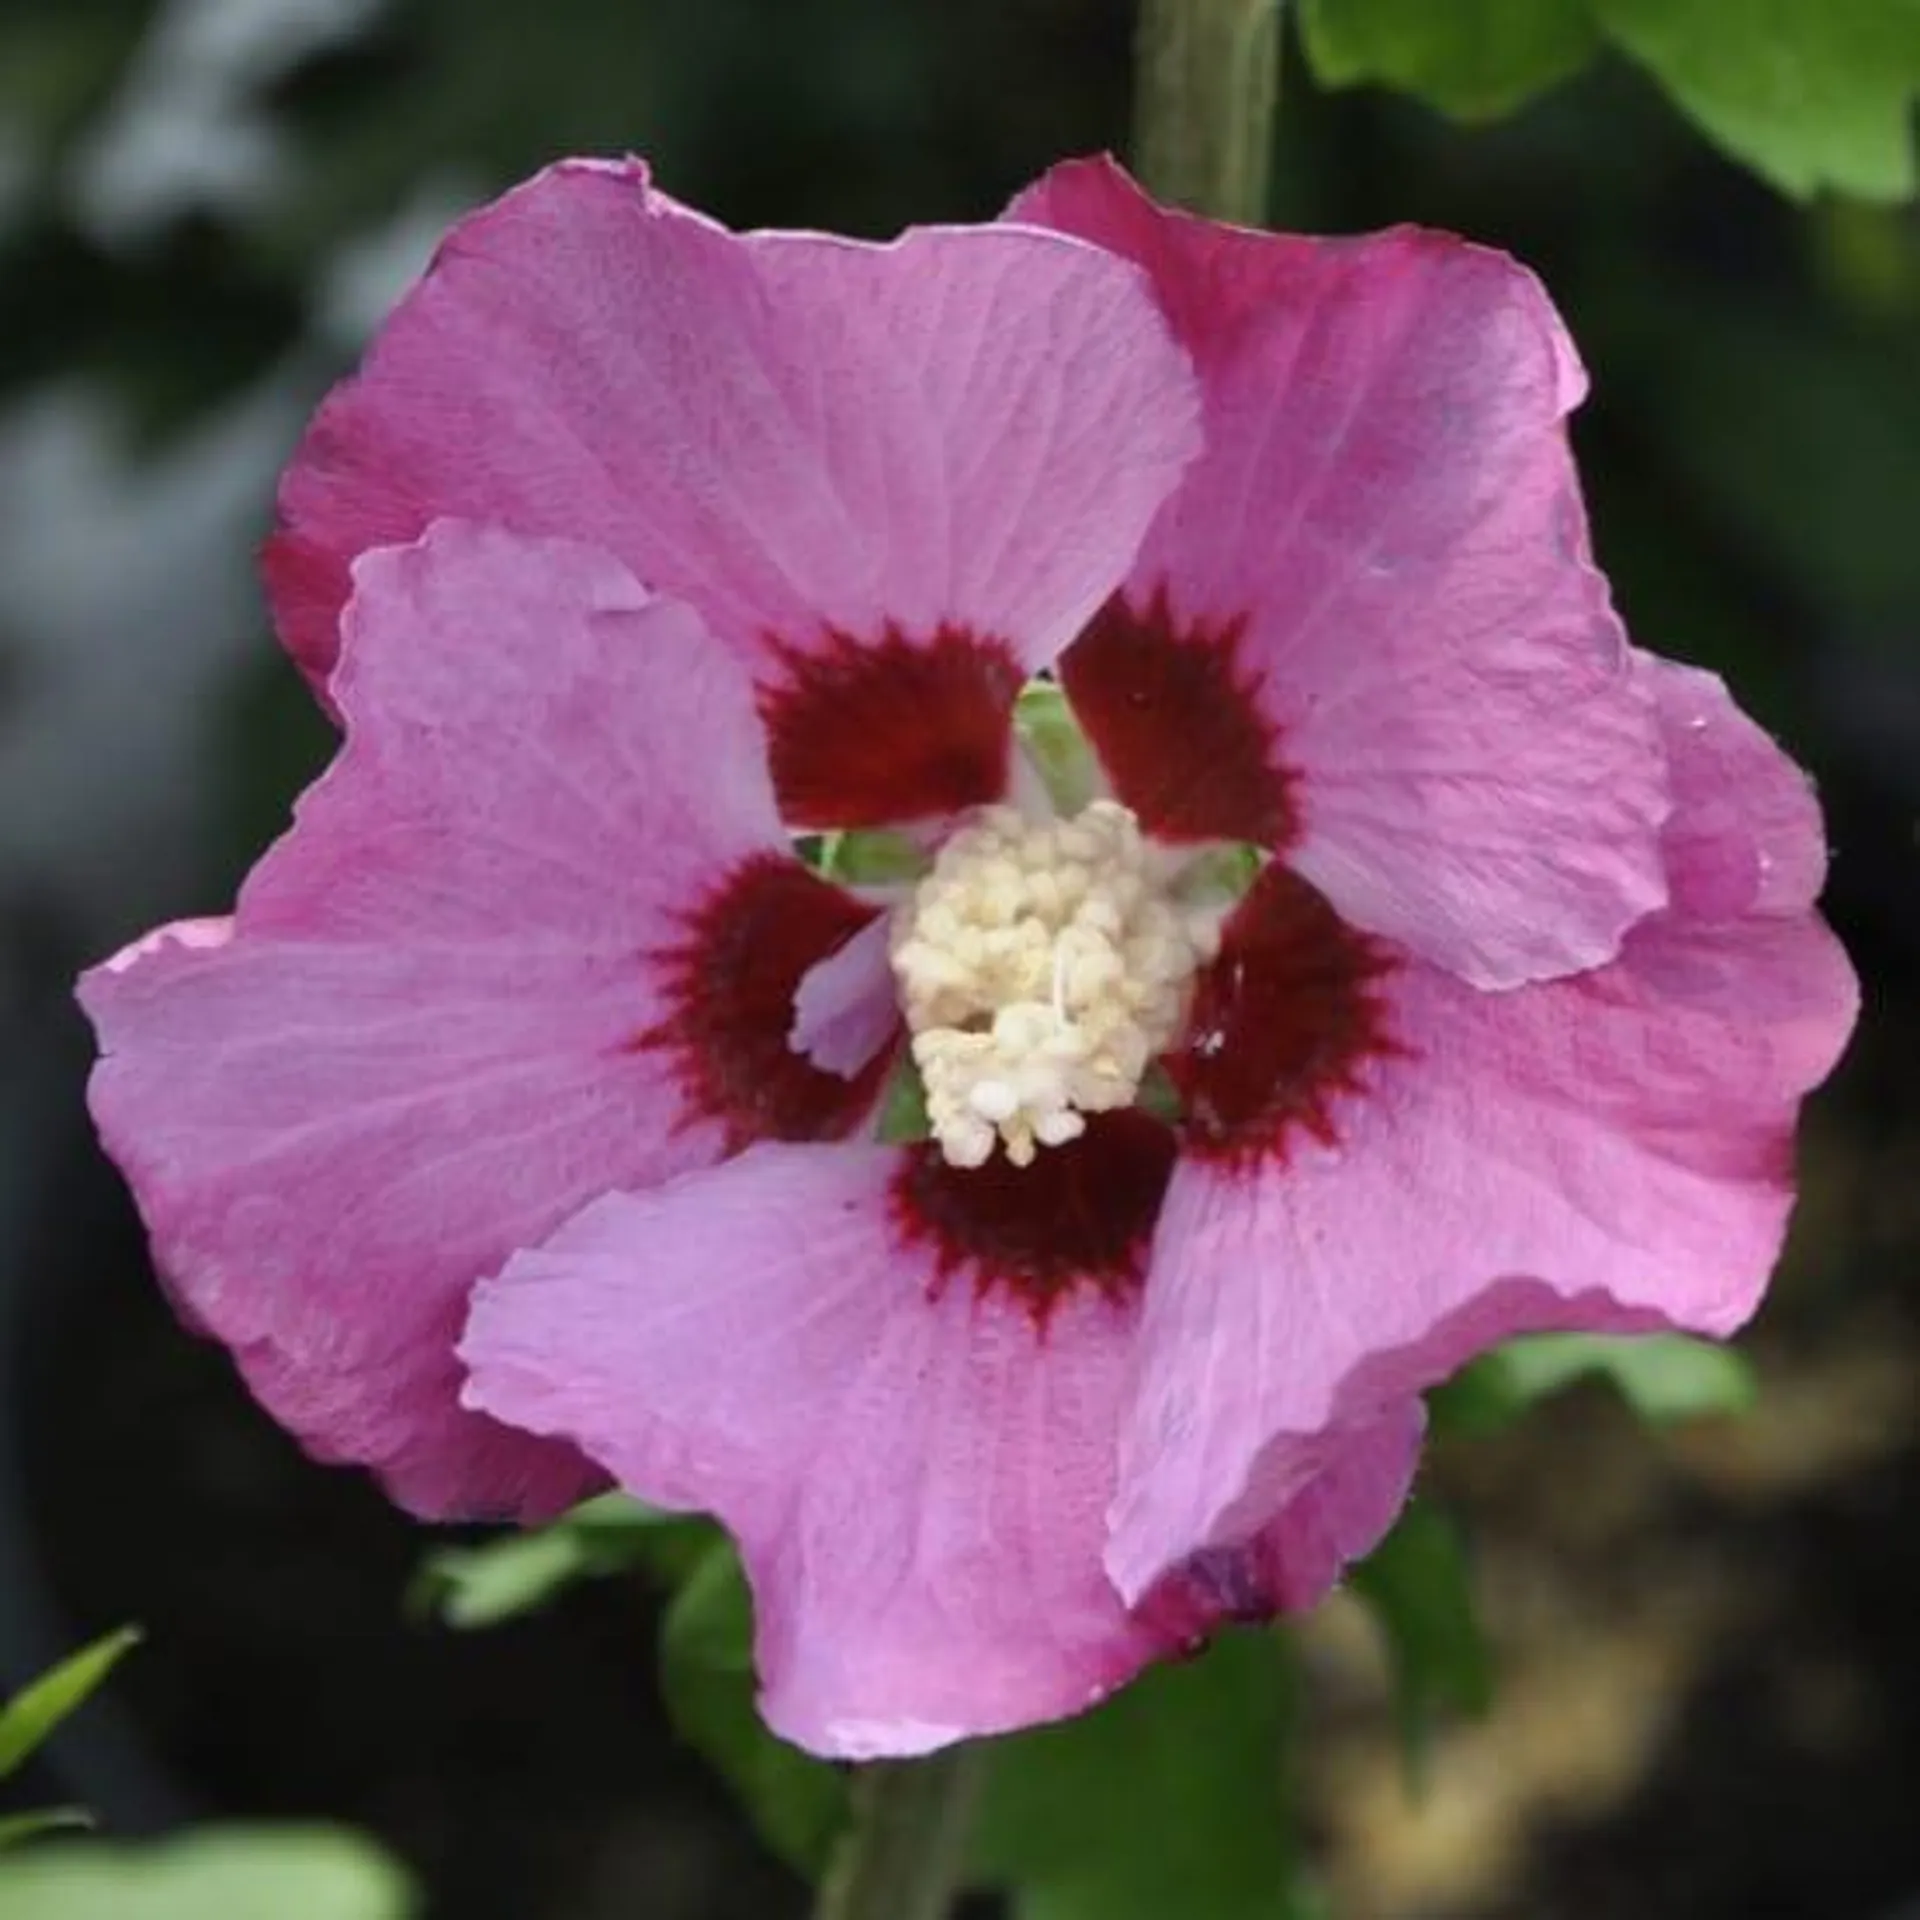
column 1661, row 1376
column 798, row 1803
column 1171, row 1798
column 1419, row 1586
column 1811, row 96
column 509, row 1574
column 33, row 1714
column 291, row 1873
column 1477, row 59
column 1752, row 449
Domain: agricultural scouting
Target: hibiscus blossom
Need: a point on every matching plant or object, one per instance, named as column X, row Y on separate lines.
column 1373, row 958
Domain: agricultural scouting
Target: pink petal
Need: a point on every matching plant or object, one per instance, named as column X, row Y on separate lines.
column 917, row 1472
column 1607, row 1152
column 846, row 1009
column 1342, row 1513
column 955, row 440
column 1745, row 836
column 455, row 1002
column 901, row 1397
column 1352, row 1493
column 1367, row 627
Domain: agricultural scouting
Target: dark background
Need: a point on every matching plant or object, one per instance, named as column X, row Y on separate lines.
column 1712, row 1706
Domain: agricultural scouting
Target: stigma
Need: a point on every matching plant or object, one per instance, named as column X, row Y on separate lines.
column 1042, row 966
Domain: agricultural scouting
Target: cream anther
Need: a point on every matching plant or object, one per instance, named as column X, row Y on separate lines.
column 1042, row 965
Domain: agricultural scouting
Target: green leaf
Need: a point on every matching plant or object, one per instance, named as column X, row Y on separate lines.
column 38, row 1708
column 1419, row 1588
column 798, row 1803
column 1170, row 1799
column 498, row 1580
column 1474, row 59
column 1810, row 93
column 288, row 1873
column 1662, row 1376
column 16, row 1827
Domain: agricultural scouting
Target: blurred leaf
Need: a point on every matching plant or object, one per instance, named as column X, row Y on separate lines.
column 16, row 1827
column 1868, row 256
column 263, row 1874
column 59, row 65
column 1418, row 1584
column 1662, row 1376
column 1810, row 93
column 39, row 1707
column 798, row 1803
column 1804, row 441
column 1170, row 1799
column 501, row 1579
column 1474, row 59
column 481, row 1586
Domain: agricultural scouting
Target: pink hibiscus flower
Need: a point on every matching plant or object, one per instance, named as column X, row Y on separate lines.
column 519, row 1128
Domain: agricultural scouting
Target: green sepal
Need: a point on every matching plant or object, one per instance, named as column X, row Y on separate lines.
column 866, row 857
column 1050, row 733
column 903, row 1106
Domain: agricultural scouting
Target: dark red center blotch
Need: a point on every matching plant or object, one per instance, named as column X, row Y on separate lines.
column 867, row 733
column 1283, row 1019
column 731, row 984
column 1081, row 1215
column 1171, row 709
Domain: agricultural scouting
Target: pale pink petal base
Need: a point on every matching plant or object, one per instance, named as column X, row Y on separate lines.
column 416, row 1048
column 1387, row 529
